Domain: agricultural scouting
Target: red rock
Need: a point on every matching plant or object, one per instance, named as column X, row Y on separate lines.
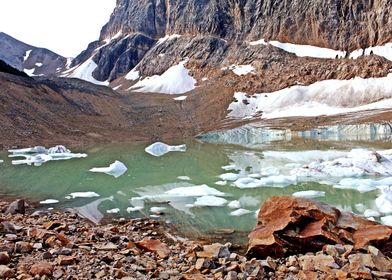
column 23, row 247
column 156, row 246
column 43, row 268
column 289, row 225
column 66, row 260
column 4, row 258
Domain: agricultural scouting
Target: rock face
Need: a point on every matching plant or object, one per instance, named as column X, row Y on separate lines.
column 288, row 225
column 215, row 34
column 22, row 56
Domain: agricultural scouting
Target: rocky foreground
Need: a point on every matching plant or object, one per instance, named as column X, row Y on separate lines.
column 62, row 245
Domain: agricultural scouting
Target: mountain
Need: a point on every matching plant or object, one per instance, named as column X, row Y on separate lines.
column 281, row 43
column 48, row 111
column 32, row 60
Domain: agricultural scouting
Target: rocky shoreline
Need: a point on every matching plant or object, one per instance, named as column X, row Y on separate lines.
column 62, row 245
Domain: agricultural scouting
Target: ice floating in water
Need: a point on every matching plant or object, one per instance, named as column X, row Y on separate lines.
column 39, row 155
column 384, row 201
column 157, row 209
column 1, row 161
column 49, row 201
column 113, row 211
column 240, row 212
column 134, row 209
column 358, row 162
column 159, row 149
column 249, row 201
column 230, row 167
column 116, row 169
column 309, row 194
column 269, row 171
column 221, row 183
column 210, row 200
column 202, row 190
column 184, row 178
column 90, row 211
column 83, row 195
column 387, row 220
column 371, row 213
column 234, row 204
column 229, row 176
column 271, row 181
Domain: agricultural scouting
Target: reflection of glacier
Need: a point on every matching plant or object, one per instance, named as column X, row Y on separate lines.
column 247, row 135
column 90, row 211
column 360, row 132
column 251, row 134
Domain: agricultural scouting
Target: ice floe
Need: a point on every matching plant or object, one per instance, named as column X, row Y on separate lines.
column 157, row 209
column 387, row 220
column 202, row 190
column 159, row 149
column 229, row 176
column 134, row 209
column 210, row 200
column 316, row 99
column 371, row 213
column 113, row 211
column 240, row 212
column 271, row 181
column 309, row 194
column 83, row 195
column 38, row 155
column 49, row 201
column 221, row 183
column 384, row 201
column 115, row 169
column 184, row 178
column 1, row 161
column 235, row 204
column 176, row 80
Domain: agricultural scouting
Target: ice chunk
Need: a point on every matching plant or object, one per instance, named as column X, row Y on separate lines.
column 33, row 150
column 83, row 194
column 271, row 181
column 309, row 194
column 202, row 190
column 230, row 167
column 159, row 149
column 240, row 212
column 269, row 171
column 157, row 209
column 115, row 169
column 360, row 207
column 37, row 160
column 113, row 211
column 134, row 209
column 221, row 183
column 210, row 200
column 387, row 220
column 249, row 201
column 371, row 213
column 229, row 176
column 184, row 178
column 384, row 201
column 49, row 201
column 1, row 161
column 59, row 149
column 234, row 204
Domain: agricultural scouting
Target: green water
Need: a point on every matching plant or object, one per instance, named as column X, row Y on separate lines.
column 150, row 175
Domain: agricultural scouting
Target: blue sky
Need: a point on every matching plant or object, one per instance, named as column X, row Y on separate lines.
column 63, row 26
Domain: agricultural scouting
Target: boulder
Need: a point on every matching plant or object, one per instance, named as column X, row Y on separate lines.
column 16, row 207
column 289, row 225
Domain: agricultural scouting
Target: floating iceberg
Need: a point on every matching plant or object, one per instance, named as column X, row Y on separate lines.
column 157, row 210
column 38, row 155
column 113, row 211
column 134, row 209
column 49, row 201
column 271, row 181
column 235, row 204
column 116, row 169
column 210, row 200
column 229, row 176
column 184, row 178
column 384, row 201
column 1, row 161
column 387, row 220
column 202, row 190
column 371, row 213
column 83, row 194
column 240, row 212
column 159, row 149
column 309, row 194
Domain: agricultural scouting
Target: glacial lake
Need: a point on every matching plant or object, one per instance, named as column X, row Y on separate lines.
column 149, row 178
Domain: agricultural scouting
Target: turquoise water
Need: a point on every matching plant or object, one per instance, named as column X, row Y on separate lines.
column 148, row 175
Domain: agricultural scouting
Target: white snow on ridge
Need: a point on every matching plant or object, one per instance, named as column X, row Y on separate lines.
column 85, row 71
column 176, row 80
column 29, row 72
column 133, row 75
column 168, row 37
column 241, row 70
column 329, row 97
column 26, row 55
column 318, row 52
column 38, row 64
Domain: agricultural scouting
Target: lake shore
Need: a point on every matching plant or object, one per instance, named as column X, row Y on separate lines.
column 63, row 245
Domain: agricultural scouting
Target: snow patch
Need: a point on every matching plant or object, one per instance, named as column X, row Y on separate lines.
column 168, row 37
column 85, row 71
column 133, row 75
column 38, row 64
column 241, row 70
column 329, row 97
column 30, row 72
column 175, row 80
column 26, row 56
column 180, row 98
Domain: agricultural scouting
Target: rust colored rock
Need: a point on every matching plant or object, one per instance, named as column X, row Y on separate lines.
column 289, row 225
column 41, row 269
column 23, row 247
column 4, row 258
column 156, row 246
column 66, row 260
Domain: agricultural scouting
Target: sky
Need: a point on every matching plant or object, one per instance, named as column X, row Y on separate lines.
column 63, row 26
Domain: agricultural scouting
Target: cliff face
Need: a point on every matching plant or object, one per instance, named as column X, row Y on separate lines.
column 215, row 34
